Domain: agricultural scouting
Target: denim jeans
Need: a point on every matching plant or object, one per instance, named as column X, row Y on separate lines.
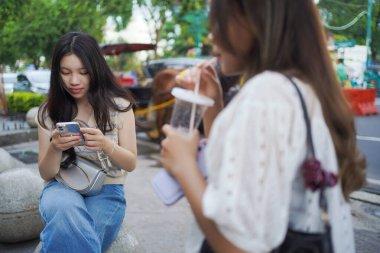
column 74, row 223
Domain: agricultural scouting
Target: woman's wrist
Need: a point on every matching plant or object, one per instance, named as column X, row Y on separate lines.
column 187, row 169
column 109, row 147
column 190, row 178
column 53, row 147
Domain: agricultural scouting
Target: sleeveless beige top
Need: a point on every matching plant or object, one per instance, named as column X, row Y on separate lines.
column 115, row 174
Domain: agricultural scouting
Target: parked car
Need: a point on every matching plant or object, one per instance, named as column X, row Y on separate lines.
column 9, row 80
column 151, row 68
column 230, row 84
column 37, row 81
column 129, row 79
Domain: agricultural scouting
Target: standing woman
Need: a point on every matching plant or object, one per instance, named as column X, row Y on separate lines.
column 257, row 144
column 83, row 88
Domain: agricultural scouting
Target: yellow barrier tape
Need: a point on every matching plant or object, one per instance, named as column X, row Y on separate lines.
column 140, row 112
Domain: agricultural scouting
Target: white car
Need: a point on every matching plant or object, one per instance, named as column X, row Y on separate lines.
column 9, row 80
column 37, row 81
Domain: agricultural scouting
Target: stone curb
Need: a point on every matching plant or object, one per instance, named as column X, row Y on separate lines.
column 16, row 137
column 367, row 197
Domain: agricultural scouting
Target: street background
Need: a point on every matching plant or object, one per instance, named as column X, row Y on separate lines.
column 368, row 138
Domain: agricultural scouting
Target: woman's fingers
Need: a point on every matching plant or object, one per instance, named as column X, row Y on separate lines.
column 70, row 141
column 167, row 130
column 210, row 71
column 91, row 134
column 94, row 144
column 94, row 138
column 194, row 135
column 189, row 85
column 208, row 77
column 90, row 131
column 66, row 145
column 55, row 133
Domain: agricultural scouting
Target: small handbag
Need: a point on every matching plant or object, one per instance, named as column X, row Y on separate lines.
column 315, row 178
column 85, row 176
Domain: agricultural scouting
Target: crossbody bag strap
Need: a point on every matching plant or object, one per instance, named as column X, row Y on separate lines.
column 311, row 153
column 104, row 160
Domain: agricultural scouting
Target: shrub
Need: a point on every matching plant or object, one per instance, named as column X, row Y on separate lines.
column 23, row 101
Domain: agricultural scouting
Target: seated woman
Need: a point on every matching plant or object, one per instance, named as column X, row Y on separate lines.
column 83, row 88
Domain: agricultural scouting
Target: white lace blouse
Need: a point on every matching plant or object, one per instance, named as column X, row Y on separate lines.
column 254, row 153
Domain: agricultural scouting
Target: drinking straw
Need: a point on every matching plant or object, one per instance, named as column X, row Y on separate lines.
column 196, row 90
column 194, row 106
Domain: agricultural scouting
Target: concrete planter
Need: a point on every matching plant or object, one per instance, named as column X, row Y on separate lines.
column 30, row 116
column 8, row 161
column 19, row 215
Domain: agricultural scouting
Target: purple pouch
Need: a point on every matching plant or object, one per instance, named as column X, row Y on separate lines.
column 167, row 187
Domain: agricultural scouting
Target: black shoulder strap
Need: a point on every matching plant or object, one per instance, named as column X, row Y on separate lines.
column 311, row 151
column 306, row 117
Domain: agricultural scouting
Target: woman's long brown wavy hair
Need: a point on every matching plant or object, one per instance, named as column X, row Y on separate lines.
column 288, row 37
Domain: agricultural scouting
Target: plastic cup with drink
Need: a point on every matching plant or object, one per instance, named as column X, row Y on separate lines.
column 187, row 114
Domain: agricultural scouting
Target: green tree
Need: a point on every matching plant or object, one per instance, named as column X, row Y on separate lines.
column 174, row 24
column 119, row 10
column 156, row 14
column 188, row 28
column 33, row 33
column 9, row 12
column 340, row 12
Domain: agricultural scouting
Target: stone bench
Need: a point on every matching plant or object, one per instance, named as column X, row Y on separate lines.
column 8, row 161
column 20, row 219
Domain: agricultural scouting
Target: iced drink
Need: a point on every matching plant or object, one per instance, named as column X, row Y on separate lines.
column 188, row 109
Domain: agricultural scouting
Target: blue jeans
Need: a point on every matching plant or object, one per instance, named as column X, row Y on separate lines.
column 74, row 223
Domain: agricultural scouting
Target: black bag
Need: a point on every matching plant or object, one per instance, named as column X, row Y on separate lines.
column 299, row 242
column 206, row 248
column 302, row 242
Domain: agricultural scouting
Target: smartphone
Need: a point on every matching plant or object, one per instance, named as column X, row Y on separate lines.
column 70, row 128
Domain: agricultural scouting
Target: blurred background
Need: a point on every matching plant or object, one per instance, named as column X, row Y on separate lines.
column 176, row 28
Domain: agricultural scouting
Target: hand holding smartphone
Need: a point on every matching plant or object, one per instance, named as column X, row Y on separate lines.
column 69, row 129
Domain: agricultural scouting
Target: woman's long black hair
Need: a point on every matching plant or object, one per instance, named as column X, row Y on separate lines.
column 60, row 106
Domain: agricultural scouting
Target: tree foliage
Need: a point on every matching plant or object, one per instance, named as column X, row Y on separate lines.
column 9, row 10
column 341, row 12
column 8, row 14
column 176, row 25
column 30, row 30
column 156, row 13
column 188, row 28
